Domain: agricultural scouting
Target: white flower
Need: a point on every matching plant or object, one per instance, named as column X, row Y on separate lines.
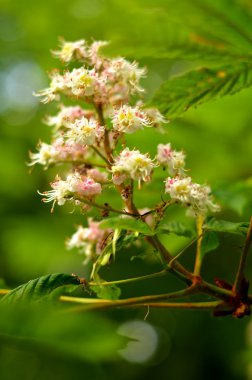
column 82, row 185
column 71, row 50
column 120, row 69
column 132, row 164
column 90, row 240
column 75, row 185
column 174, row 160
column 155, row 117
column 97, row 175
column 192, row 195
column 122, row 80
column 201, row 201
column 96, row 58
column 84, row 131
column 179, row 188
column 46, row 155
column 59, row 84
column 58, row 151
column 89, row 188
column 129, row 119
column 83, row 82
column 59, row 194
column 67, row 115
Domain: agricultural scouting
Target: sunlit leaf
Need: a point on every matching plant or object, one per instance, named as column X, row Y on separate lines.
column 107, row 292
column 129, row 224
column 179, row 94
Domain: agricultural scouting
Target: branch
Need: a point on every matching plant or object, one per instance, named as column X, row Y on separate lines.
column 107, row 148
column 104, row 207
column 240, row 272
column 108, row 304
column 184, row 305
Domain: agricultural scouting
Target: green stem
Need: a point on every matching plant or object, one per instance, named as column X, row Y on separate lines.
column 198, row 258
column 243, row 259
column 132, row 279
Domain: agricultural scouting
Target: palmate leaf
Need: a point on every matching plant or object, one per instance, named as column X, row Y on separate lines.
column 39, row 288
column 199, row 86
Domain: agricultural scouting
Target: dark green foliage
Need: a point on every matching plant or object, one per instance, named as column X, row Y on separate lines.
column 209, row 243
column 177, row 228
column 49, row 330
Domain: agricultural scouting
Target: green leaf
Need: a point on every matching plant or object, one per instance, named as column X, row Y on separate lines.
column 236, row 196
column 48, row 331
column 128, row 224
column 39, row 288
column 209, row 243
column 228, row 22
column 226, row 226
column 176, row 228
column 106, row 292
column 201, row 30
column 179, row 94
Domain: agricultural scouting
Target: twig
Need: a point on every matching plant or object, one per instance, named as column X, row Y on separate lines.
column 100, row 154
column 240, row 272
column 132, row 279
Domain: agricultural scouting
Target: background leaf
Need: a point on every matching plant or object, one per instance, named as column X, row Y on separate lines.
column 209, row 243
column 44, row 329
column 174, row 227
column 226, row 226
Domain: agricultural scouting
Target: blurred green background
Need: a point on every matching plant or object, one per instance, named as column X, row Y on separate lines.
column 217, row 139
